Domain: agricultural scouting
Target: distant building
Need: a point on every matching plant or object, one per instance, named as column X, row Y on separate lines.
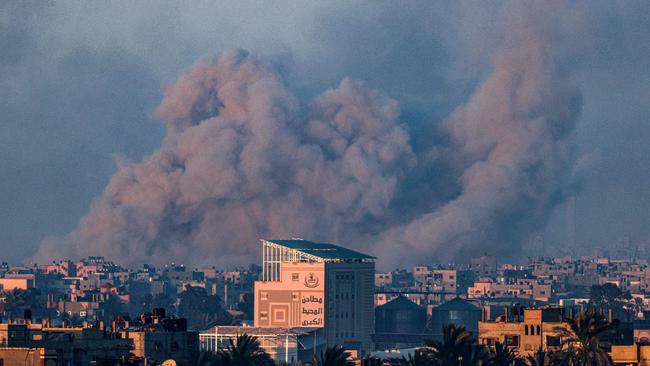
column 400, row 315
column 400, row 323
column 317, row 285
column 27, row 356
column 61, row 346
column 161, row 338
column 383, row 279
column 282, row 344
column 458, row 312
column 642, row 329
column 527, row 288
column 441, row 281
column 9, row 284
column 484, row 266
column 634, row 355
column 536, row 329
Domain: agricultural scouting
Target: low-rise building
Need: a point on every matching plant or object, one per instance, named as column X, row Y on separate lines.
column 62, row 345
column 282, row 344
column 533, row 330
column 632, row 355
column 161, row 338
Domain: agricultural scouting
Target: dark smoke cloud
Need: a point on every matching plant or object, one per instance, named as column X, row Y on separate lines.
column 239, row 162
column 514, row 142
column 244, row 157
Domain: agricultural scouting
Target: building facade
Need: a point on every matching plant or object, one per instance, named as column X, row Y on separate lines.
column 528, row 332
column 282, row 344
column 317, row 285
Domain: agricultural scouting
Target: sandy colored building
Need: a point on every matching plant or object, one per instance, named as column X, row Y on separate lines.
column 522, row 288
column 158, row 346
column 317, row 285
column 26, row 357
column 634, row 355
column 60, row 346
column 9, row 284
column 530, row 331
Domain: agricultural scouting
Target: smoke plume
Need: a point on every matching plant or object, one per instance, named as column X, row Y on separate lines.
column 243, row 159
column 512, row 144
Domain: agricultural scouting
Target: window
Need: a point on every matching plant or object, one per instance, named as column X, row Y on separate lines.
column 295, row 277
column 526, row 329
column 539, row 330
column 511, row 340
column 553, row 341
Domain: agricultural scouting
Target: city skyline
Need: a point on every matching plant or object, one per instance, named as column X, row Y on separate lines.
column 365, row 183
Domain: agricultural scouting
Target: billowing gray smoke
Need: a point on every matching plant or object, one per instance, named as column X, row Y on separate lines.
column 512, row 143
column 243, row 159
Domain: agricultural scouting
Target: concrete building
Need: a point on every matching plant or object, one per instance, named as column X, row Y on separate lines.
column 484, row 266
column 633, row 355
column 526, row 288
column 316, row 285
column 26, row 357
column 9, row 284
column 383, row 280
column 161, row 338
column 61, row 345
column 533, row 330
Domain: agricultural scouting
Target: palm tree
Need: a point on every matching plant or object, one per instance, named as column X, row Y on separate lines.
column 582, row 342
column 458, row 348
column 502, row 355
column 333, row 356
column 207, row 358
column 245, row 351
column 544, row 358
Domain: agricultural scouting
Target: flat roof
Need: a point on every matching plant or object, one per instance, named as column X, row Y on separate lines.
column 322, row 250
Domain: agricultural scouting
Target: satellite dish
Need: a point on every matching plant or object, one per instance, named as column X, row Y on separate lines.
column 169, row 362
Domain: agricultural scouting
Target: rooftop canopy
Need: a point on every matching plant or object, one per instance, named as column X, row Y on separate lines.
column 320, row 251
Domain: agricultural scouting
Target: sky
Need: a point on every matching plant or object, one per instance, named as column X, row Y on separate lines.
column 83, row 97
